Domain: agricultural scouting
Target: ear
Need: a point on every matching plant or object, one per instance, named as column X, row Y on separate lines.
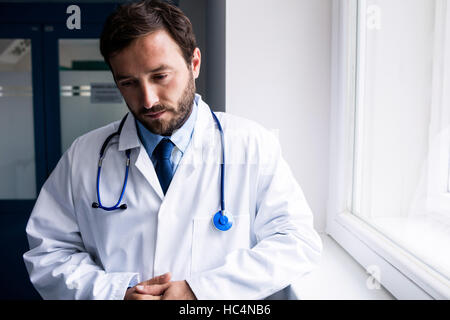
column 196, row 62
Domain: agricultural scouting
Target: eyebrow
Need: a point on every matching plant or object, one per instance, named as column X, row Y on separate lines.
column 158, row 69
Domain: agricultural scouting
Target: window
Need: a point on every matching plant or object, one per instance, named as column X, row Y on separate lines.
column 389, row 198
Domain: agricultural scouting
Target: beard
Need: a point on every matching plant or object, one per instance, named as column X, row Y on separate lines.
column 181, row 113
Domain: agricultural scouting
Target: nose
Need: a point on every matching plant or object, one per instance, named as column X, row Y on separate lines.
column 149, row 96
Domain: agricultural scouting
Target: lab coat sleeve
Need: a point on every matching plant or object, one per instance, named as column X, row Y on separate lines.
column 57, row 262
column 287, row 245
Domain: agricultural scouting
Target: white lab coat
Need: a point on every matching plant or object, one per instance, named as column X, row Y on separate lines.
column 78, row 252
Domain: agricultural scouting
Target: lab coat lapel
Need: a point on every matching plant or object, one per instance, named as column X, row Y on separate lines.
column 192, row 159
column 129, row 140
column 180, row 205
column 145, row 166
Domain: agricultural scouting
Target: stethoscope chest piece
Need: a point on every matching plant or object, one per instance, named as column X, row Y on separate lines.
column 222, row 220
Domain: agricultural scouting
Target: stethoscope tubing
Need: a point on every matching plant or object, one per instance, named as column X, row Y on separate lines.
column 222, row 166
column 124, row 206
column 117, row 205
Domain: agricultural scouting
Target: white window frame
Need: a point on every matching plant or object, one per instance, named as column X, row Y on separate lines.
column 405, row 276
column 438, row 196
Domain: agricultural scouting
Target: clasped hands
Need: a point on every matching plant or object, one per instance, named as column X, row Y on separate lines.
column 160, row 288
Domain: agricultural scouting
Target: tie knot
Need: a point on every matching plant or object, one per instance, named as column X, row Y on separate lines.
column 164, row 149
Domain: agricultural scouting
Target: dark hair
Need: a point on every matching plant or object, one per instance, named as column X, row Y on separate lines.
column 136, row 19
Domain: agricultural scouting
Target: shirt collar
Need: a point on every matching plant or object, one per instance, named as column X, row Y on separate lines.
column 180, row 137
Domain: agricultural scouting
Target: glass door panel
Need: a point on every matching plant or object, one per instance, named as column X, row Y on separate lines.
column 17, row 160
column 89, row 97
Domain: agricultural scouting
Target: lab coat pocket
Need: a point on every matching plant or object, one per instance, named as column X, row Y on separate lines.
column 211, row 246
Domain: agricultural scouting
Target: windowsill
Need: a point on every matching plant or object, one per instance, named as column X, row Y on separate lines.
column 425, row 236
column 338, row 277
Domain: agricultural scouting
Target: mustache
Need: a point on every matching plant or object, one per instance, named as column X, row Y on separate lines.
column 155, row 109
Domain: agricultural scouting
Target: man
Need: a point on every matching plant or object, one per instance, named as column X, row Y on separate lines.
column 164, row 245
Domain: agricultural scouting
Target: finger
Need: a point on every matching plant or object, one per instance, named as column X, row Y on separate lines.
column 164, row 278
column 136, row 296
column 156, row 280
column 154, row 289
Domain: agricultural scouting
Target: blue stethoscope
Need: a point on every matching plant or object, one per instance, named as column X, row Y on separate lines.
column 222, row 220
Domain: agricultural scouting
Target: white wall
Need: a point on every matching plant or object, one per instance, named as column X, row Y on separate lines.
column 278, row 72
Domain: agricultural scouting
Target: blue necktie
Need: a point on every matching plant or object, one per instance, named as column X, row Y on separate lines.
column 162, row 153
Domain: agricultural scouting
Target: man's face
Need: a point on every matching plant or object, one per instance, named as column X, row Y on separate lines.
column 155, row 81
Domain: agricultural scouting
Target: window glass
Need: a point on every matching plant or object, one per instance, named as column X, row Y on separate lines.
column 397, row 83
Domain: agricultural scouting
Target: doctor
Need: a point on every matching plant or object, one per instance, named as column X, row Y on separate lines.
column 169, row 235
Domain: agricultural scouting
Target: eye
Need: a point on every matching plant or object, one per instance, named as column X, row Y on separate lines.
column 160, row 76
column 126, row 83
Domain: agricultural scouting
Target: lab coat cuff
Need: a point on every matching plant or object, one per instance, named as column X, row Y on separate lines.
column 123, row 284
column 200, row 290
column 196, row 288
column 134, row 281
